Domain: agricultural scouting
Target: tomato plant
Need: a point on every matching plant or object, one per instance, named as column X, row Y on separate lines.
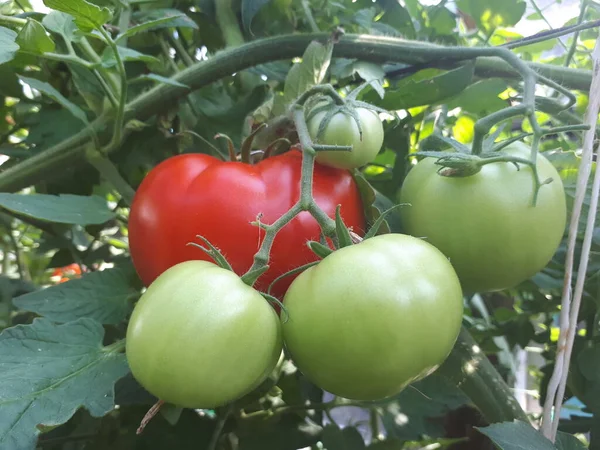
column 373, row 317
column 199, row 337
column 342, row 129
column 197, row 194
column 486, row 223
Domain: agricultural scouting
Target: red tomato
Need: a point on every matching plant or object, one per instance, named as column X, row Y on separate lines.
column 67, row 272
column 197, row 194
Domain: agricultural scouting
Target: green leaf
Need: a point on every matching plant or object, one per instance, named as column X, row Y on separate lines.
column 565, row 441
column 103, row 296
column 126, row 54
column 491, row 14
column 48, row 372
column 33, row 38
column 50, row 126
column 426, row 88
column 46, row 88
column 178, row 20
column 249, row 10
column 287, row 432
column 164, row 22
column 481, row 97
column 310, row 72
column 319, row 249
column 369, row 72
column 589, row 363
column 161, row 79
column 87, row 16
column 64, row 24
column 65, row 208
column 8, row 46
column 347, row 439
column 516, row 435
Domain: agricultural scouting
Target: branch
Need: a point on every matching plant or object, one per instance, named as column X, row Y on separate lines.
column 376, row 49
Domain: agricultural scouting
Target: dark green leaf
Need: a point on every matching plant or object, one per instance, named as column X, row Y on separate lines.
column 310, row 72
column 565, row 441
column 178, row 20
column 103, row 296
column 8, row 47
column 49, row 127
column 126, row 54
column 161, row 79
column 347, row 439
column 492, row 14
column 87, row 16
column 163, row 22
column 287, row 432
column 66, row 208
column 249, row 10
column 49, row 371
column 33, row 38
column 589, row 363
column 481, row 97
column 427, row 87
column 64, row 24
column 47, row 89
column 516, row 436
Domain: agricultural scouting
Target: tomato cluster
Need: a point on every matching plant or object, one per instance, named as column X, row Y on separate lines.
column 362, row 323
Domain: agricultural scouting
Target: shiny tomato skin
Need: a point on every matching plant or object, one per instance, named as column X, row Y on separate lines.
column 196, row 194
column 200, row 338
column 371, row 318
column 485, row 223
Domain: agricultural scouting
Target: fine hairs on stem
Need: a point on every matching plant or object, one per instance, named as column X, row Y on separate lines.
column 571, row 301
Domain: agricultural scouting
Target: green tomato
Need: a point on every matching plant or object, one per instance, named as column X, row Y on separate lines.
column 200, row 338
column 343, row 130
column 485, row 223
column 371, row 318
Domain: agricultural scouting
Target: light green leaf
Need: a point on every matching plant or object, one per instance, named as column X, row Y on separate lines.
column 48, row 90
column 65, row 208
column 161, row 79
column 8, row 46
column 126, row 54
column 63, row 24
column 87, row 16
column 151, row 25
column 310, row 72
column 48, row 372
column 179, row 20
column 33, row 38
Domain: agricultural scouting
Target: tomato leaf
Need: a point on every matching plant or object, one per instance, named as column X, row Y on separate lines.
column 103, row 296
column 492, row 14
column 249, row 9
column 516, row 435
column 348, row 438
column 126, row 54
column 163, row 22
column 64, row 24
column 178, row 19
column 48, row 372
column 565, row 441
column 87, row 16
column 8, row 46
column 33, row 38
column 481, row 97
column 65, row 208
column 47, row 89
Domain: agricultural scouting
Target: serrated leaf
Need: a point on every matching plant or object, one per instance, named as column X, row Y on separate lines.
column 8, row 46
column 48, row 372
column 516, row 435
column 179, row 20
column 249, row 9
column 47, row 89
column 33, row 38
column 126, row 54
column 161, row 79
column 103, row 296
column 64, row 208
column 310, row 72
column 151, row 25
column 64, row 24
column 87, row 16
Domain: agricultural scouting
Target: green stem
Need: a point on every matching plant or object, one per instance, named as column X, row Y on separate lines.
column 181, row 51
column 228, row 23
column 68, row 59
column 115, row 347
column 12, row 22
column 573, row 47
column 474, row 374
column 541, row 14
column 214, row 440
column 108, row 170
column 109, row 83
column 124, row 19
column 285, row 409
column 309, row 16
column 376, row 49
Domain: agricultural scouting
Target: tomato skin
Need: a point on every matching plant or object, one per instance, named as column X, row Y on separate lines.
column 486, row 223
column 199, row 337
column 196, row 194
column 371, row 318
column 342, row 130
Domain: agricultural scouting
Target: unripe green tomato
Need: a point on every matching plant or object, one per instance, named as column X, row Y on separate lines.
column 486, row 223
column 343, row 130
column 200, row 338
column 371, row 318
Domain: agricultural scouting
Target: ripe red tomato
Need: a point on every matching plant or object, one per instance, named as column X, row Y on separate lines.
column 197, row 194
